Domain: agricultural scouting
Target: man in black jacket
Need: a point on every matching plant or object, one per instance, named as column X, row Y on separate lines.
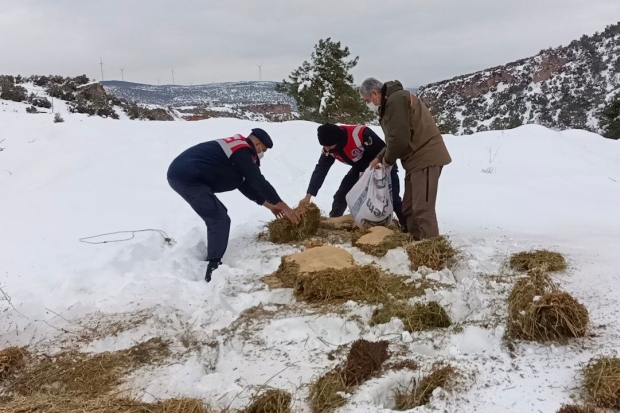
column 223, row 165
column 357, row 146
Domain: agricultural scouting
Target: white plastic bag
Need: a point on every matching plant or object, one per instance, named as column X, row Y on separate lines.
column 370, row 200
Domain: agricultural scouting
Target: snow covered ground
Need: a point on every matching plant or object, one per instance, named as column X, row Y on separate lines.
column 504, row 192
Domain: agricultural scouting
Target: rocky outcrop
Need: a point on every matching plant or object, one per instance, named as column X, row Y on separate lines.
column 560, row 88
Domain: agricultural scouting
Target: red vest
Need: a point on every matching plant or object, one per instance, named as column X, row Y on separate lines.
column 354, row 149
column 233, row 144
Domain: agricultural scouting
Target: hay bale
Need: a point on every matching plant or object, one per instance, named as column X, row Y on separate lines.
column 364, row 360
column 12, row 359
column 418, row 317
column 573, row 408
column 539, row 311
column 434, row 253
column 420, row 393
column 282, row 231
column 311, row 260
column 86, row 375
column 49, row 403
column 325, row 392
column 528, row 260
column 272, row 401
column 367, row 283
column 601, row 380
column 378, row 241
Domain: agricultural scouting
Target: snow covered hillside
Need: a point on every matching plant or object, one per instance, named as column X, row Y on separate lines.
column 504, row 192
column 563, row 87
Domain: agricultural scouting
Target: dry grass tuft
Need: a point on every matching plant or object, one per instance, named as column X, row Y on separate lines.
column 272, row 401
column 528, row 260
column 434, row 253
column 366, row 283
column 287, row 273
column 395, row 240
column 539, row 311
column 420, row 393
column 418, row 317
column 403, row 365
column 364, row 360
column 282, row 231
column 12, row 359
column 573, row 408
column 86, row 375
column 47, row 403
column 325, row 392
column 601, row 380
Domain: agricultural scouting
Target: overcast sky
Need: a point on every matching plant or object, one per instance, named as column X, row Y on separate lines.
column 415, row 41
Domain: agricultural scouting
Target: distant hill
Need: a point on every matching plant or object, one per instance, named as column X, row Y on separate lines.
column 236, row 93
column 561, row 88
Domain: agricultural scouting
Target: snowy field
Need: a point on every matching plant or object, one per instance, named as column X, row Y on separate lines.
column 504, row 192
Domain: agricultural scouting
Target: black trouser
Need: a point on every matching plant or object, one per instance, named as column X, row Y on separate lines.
column 350, row 179
column 215, row 215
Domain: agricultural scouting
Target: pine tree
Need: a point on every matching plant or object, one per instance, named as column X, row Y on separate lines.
column 610, row 118
column 323, row 88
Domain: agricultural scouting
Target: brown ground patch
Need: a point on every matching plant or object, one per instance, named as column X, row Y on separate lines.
column 434, row 253
column 528, row 260
column 283, row 231
column 364, row 359
column 12, row 359
column 420, row 392
column 573, row 408
column 601, row 380
column 271, row 401
column 417, row 317
column 366, row 283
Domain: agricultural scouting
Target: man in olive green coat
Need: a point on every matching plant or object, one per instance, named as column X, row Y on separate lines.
column 412, row 136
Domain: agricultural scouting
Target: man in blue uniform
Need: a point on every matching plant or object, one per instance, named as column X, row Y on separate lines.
column 354, row 145
column 223, row 165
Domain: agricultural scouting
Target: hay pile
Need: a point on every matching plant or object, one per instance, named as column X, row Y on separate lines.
column 319, row 258
column 539, row 311
column 12, row 359
column 72, row 382
column 529, row 260
column 421, row 391
column 572, row 408
column 378, row 241
column 272, row 401
column 344, row 222
column 434, row 253
column 47, row 403
column 282, row 231
column 82, row 374
column 601, row 380
column 366, row 283
column 363, row 361
column 418, row 317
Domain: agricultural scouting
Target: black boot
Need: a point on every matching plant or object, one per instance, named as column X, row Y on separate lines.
column 402, row 223
column 213, row 264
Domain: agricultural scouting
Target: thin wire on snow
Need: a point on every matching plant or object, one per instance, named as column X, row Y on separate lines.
column 165, row 236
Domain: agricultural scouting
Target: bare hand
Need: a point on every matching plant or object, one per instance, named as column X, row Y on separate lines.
column 293, row 216
column 375, row 163
column 305, row 200
column 276, row 211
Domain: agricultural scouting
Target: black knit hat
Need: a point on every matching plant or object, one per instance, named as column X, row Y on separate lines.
column 330, row 134
column 263, row 137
